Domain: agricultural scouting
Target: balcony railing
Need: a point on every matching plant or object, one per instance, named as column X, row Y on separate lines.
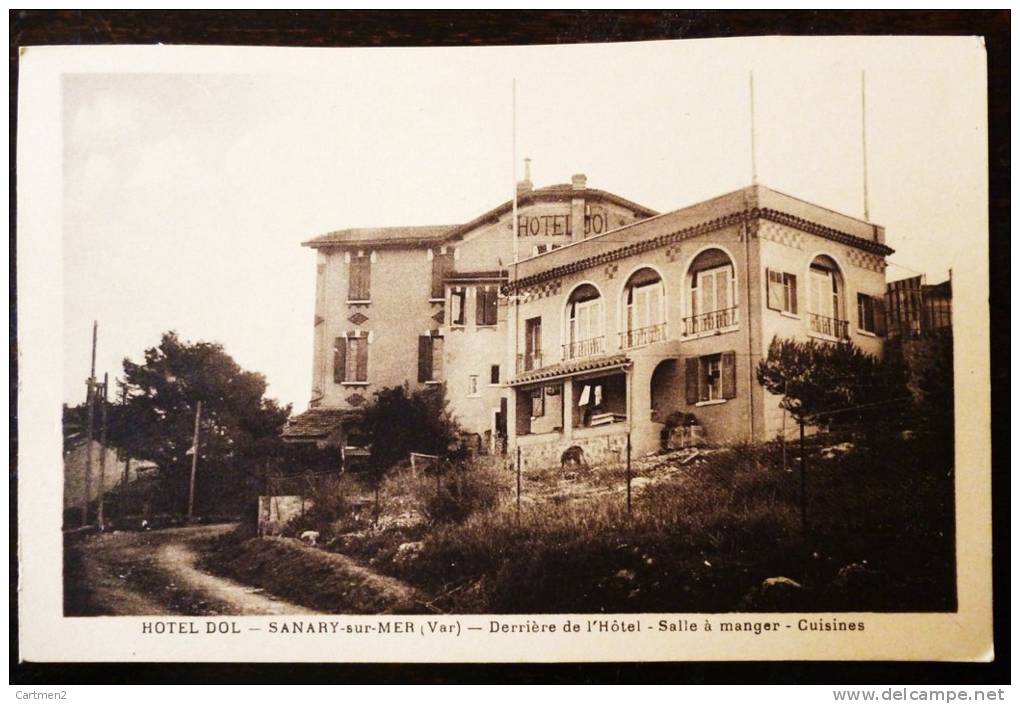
column 833, row 327
column 715, row 320
column 529, row 361
column 584, row 348
column 643, row 336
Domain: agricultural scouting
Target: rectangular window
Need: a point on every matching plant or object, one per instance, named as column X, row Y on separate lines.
column 442, row 264
column 350, row 359
column 458, row 302
column 532, row 343
column 711, row 377
column 870, row 314
column 537, row 403
column 473, row 385
column 430, row 358
column 494, row 374
column 485, row 305
column 360, row 276
column 782, row 291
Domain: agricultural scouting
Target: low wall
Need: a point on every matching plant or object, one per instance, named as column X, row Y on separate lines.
column 605, row 445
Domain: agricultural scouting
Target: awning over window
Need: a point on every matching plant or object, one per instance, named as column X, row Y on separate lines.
column 572, row 367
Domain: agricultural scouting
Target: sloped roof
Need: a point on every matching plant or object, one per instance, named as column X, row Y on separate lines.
column 423, row 235
column 411, row 235
column 571, row 367
column 317, row 423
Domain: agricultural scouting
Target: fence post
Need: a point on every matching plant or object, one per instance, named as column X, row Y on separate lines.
column 803, row 481
column 628, row 473
column 518, row 479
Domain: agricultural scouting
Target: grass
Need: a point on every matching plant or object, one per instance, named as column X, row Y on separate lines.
column 701, row 537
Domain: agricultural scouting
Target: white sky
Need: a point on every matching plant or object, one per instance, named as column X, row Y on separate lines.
column 186, row 195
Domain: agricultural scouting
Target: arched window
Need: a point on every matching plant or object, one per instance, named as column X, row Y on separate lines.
column 826, row 293
column 644, row 310
column 584, row 334
column 712, row 299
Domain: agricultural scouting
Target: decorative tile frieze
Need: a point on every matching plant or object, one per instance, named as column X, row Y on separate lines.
column 611, row 270
column 787, row 236
column 358, row 318
column 439, row 316
column 865, row 260
column 356, row 399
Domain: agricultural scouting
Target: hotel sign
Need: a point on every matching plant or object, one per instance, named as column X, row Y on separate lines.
column 560, row 225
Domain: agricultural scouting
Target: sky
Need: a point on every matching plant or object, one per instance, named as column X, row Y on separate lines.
column 187, row 193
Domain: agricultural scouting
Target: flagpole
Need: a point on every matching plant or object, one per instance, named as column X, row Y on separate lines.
column 194, row 463
column 754, row 155
column 864, row 140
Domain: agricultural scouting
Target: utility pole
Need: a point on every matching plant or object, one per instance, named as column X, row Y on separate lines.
column 518, row 482
column 194, row 462
column 90, row 397
column 127, row 458
column 102, row 454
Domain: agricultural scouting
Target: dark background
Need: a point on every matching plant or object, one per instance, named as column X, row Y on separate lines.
column 404, row 28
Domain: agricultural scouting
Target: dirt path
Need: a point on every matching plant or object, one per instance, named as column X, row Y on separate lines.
column 154, row 573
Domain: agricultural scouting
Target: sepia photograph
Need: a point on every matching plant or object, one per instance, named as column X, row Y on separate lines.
column 664, row 337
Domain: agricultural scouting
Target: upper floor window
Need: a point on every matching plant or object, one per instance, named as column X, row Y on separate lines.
column 782, row 291
column 584, row 323
column 359, row 278
column 486, row 304
column 458, row 305
column 870, row 314
column 442, row 264
column 826, row 314
column 644, row 309
column 350, row 358
column 532, row 357
column 712, row 300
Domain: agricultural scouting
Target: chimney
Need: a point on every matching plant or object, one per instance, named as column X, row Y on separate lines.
column 578, row 182
column 525, row 186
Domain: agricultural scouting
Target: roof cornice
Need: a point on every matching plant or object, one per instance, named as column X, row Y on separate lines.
column 737, row 218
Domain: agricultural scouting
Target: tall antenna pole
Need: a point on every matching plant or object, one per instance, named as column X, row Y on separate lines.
column 864, row 140
column 513, row 146
column 754, row 151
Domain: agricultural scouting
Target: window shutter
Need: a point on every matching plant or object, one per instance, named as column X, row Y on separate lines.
column 775, row 289
column 879, row 305
column 491, row 305
column 442, row 263
column 360, row 274
column 362, row 359
column 480, row 305
column 729, row 374
column 691, row 371
column 793, row 292
column 424, row 358
column 339, row 359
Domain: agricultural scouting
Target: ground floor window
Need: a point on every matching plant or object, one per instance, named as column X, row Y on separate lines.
column 711, row 377
column 350, row 358
column 430, row 358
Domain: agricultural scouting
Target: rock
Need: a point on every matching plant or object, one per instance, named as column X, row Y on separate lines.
column 774, row 594
column 408, row 552
column 639, row 482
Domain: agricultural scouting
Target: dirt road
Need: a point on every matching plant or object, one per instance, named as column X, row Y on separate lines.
column 155, row 573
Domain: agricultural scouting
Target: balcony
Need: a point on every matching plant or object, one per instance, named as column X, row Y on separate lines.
column 828, row 327
column 642, row 336
column 528, row 362
column 713, row 322
column 584, row 348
